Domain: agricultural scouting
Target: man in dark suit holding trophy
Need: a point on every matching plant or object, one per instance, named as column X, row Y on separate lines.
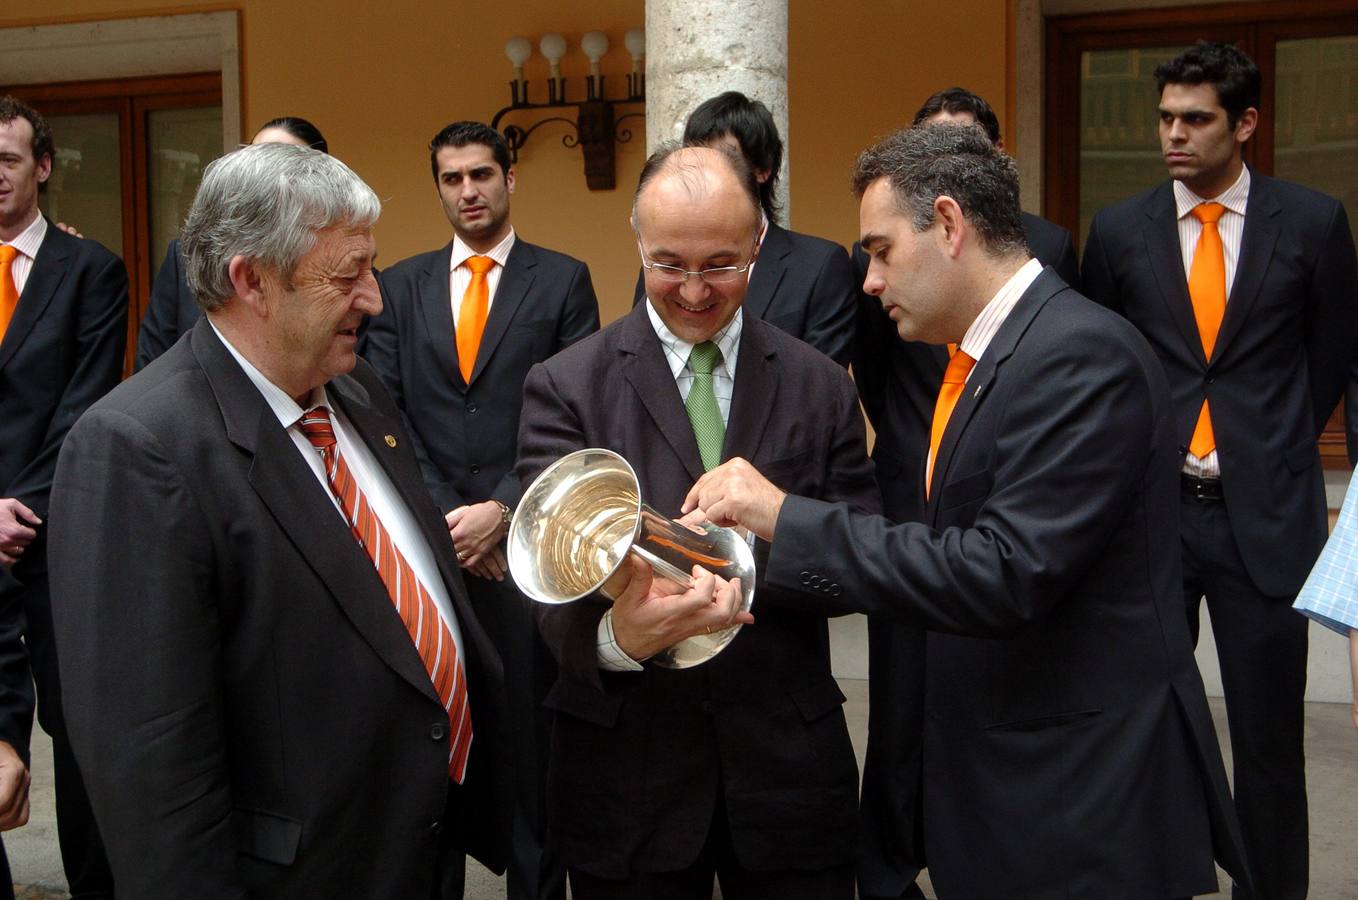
column 661, row 778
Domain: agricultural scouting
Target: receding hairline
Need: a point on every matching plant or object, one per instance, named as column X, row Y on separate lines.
column 701, row 170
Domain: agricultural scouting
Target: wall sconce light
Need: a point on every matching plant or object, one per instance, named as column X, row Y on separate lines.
column 596, row 126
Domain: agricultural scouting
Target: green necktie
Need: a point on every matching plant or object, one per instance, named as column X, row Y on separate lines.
column 703, row 411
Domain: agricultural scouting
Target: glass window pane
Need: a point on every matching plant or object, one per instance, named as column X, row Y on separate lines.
column 1316, row 136
column 85, row 189
column 181, row 143
column 1119, row 138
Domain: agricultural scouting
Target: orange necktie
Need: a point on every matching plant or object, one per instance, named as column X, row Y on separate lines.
column 954, row 379
column 412, row 600
column 1207, row 290
column 9, row 294
column 471, row 319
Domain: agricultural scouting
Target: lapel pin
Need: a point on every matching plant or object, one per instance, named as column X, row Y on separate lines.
column 978, row 391
column 391, row 440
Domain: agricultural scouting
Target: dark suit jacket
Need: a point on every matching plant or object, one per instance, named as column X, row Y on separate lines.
column 465, row 435
column 171, row 312
column 63, row 350
column 1280, row 363
column 640, row 758
column 1068, row 747
column 805, row 286
column 248, row 711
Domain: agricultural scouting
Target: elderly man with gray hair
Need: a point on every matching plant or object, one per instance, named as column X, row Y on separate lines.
column 275, row 684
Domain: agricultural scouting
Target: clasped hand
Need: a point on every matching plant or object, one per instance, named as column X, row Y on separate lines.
column 652, row 614
column 476, row 530
column 18, row 528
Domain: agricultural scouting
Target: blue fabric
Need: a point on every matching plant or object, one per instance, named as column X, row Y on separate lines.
column 1330, row 595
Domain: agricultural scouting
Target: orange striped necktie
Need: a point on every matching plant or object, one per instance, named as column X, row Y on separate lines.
column 471, row 318
column 413, row 602
column 9, row 293
column 1207, row 291
column 954, row 379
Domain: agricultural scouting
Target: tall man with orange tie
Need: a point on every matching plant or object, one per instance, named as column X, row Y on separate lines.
column 1247, row 289
column 460, row 329
column 275, row 683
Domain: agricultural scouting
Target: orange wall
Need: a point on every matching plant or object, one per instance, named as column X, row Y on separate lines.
column 381, row 78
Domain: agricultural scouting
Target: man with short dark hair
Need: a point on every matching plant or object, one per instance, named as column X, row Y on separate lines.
column 898, row 382
column 63, row 329
column 276, row 684
column 462, row 325
column 1068, row 749
column 1245, row 286
column 741, row 766
column 802, row 284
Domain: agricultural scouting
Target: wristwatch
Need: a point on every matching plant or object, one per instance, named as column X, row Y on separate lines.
column 506, row 514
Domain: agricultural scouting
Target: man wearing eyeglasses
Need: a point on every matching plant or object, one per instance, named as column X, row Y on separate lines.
column 740, row 768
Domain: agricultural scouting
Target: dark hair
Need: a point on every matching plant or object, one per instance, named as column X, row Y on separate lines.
column 460, row 134
column 301, row 129
column 958, row 100
column 954, row 160
column 12, row 108
column 752, row 125
column 662, row 160
column 1224, row 66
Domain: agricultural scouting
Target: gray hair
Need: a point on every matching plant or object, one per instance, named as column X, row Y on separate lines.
column 954, row 160
column 267, row 202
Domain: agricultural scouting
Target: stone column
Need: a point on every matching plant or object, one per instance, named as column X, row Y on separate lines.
column 696, row 49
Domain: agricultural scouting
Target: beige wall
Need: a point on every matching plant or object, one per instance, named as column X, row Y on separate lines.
column 381, row 78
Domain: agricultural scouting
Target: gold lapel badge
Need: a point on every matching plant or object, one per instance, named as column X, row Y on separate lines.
column 391, row 440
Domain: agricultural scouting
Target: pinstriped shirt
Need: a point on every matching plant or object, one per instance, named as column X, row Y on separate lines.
column 371, row 478
column 1231, row 227
column 27, row 242
column 993, row 314
column 460, row 277
column 1330, row 595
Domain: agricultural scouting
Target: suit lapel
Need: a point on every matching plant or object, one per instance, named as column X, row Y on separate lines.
column 515, row 281
column 978, row 384
column 49, row 270
column 437, row 306
column 768, row 272
column 1167, row 265
column 303, row 511
column 649, row 374
column 754, row 394
column 1256, row 250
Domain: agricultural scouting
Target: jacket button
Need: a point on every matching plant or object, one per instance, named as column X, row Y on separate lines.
column 435, row 827
column 834, row 590
column 471, row 407
column 438, row 731
column 805, row 577
column 708, row 707
column 476, row 470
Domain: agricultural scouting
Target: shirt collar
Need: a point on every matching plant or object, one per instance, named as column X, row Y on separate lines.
column 30, row 239
column 727, row 340
column 499, row 253
column 984, row 328
column 1234, row 198
column 283, row 406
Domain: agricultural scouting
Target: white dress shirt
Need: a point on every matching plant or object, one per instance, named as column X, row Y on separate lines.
column 372, row 480
column 27, row 242
column 460, row 277
column 1231, row 227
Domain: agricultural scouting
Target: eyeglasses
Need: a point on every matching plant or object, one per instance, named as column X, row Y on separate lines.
column 678, row 275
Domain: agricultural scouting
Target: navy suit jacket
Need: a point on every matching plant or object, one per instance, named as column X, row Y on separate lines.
column 803, row 285
column 465, row 434
column 639, row 759
column 1281, row 360
column 1065, row 721
column 250, row 714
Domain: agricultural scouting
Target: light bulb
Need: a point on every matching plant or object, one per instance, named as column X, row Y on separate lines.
column 553, row 46
column 635, row 42
column 518, row 49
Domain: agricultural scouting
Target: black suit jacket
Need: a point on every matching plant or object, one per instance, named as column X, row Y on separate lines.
column 640, row 758
column 1068, row 747
column 63, row 350
column 804, row 285
column 248, row 711
column 1280, row 362
column 171, row 312
column 465, row 435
